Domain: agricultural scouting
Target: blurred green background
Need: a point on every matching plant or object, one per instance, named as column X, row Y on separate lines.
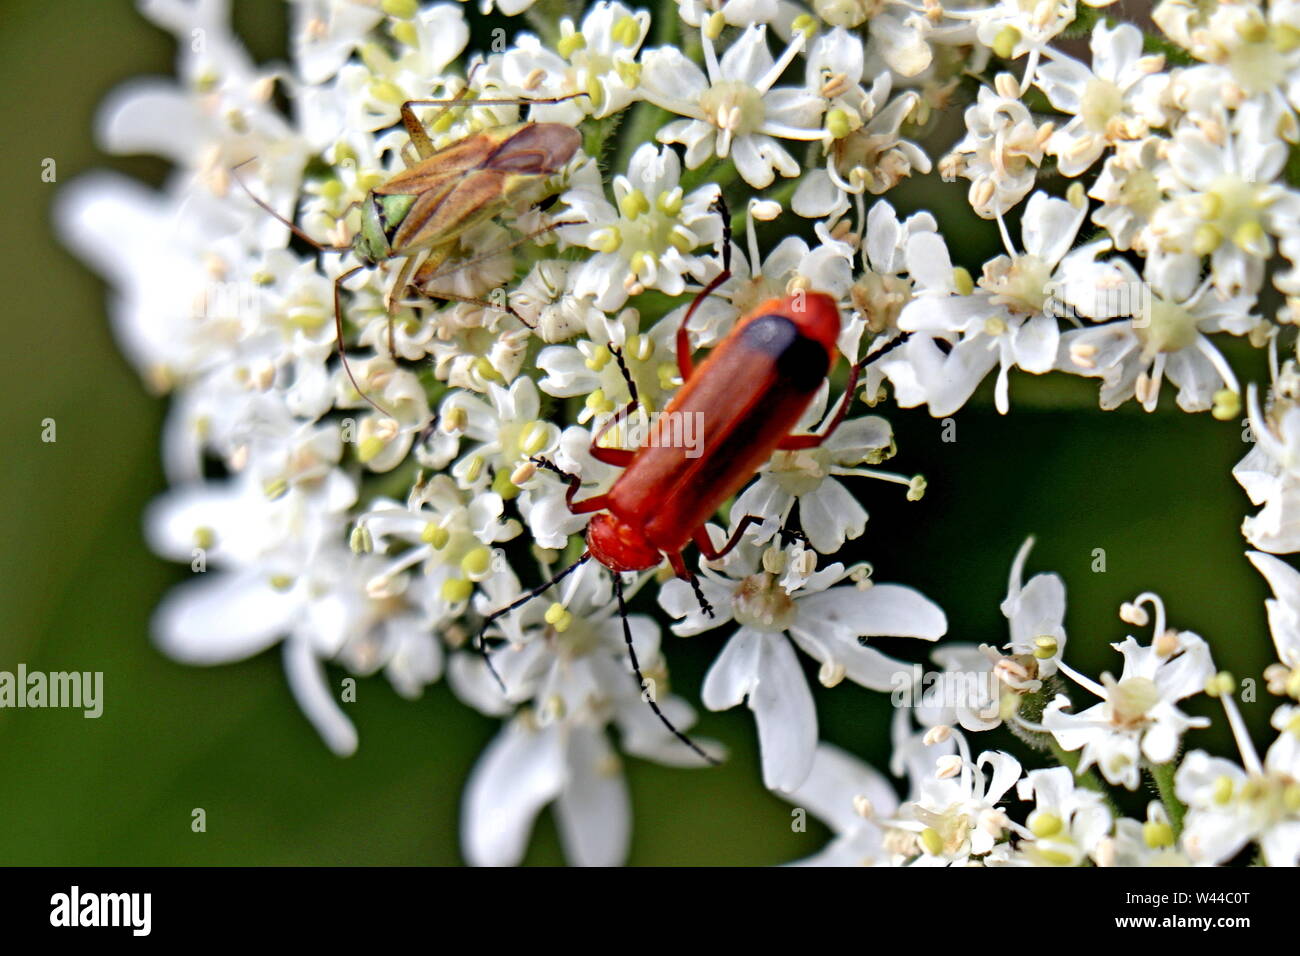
column 77, row 585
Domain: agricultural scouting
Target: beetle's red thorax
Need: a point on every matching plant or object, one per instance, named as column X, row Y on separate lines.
column 742, row 401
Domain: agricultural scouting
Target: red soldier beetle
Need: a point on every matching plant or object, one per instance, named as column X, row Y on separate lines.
column 751, row 390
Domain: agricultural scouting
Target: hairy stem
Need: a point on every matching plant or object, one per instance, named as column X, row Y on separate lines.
column 1163, row 775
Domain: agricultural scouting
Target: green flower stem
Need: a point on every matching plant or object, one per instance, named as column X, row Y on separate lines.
column 645, row 117
column 544, row 16
column 644, row 120
column 1070, row 759
column 784, row 191
column 1163, row 775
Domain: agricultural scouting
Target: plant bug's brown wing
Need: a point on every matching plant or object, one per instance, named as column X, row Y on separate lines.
column 449, row 163
column 477, row 182
column 537, row 149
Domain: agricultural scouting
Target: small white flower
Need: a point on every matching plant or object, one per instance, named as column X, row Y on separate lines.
column 866, row 152
column 758, row 665
column 1283, row 621
column 1142, row 843
column 275, row 570
column 1227, row 807
column 448, row 537
column 597, row 59
column 1138, row 713
column 980, row 684
column 852, row 799
column 1000, row 153
column 1167, row 336
column 955, row 815
column 828, row 514
column 733, row 110
column 527, row 767
column 324, row 34
column 1223, row 201
column 643, row 240
column 1270, row 472
column 1009, row 322
column 1104, row 99
column 571, row 661
column 1068, row 822
column 372, row 91
column 1012, row 28
column 507, row 431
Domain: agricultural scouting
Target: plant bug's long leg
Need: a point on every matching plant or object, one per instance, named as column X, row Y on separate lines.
column 641, row 681
column 338, row 283
column 343, row 349
column 421, row 281
column 419, row 135
column 518, row 603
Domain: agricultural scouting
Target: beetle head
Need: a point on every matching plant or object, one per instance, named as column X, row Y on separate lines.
column 619, row 546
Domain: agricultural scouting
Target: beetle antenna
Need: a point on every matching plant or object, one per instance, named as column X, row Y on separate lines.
column 719, row 205
column 627, row 375
column 520, row 602
column 641, row 681
column 705, row 606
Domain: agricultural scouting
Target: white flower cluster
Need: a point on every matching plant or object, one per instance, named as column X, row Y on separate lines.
column 369, row 513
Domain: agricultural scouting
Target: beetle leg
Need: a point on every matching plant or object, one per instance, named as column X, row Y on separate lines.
column 701, row 537
column 583, row 507
column 641, row 681
column 684, row 364
column 618, row 457
column 799, row 442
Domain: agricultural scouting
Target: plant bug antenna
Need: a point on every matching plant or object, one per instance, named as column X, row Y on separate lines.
column 266, row 207
column 641, row 681
column 518, row 603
